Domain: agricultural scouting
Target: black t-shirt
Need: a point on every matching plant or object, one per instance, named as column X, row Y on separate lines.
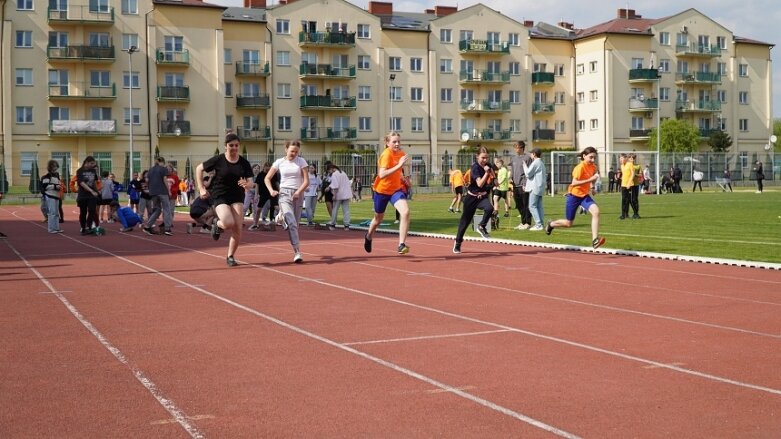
column 225, row 183
column 476, row 173
column 90, row 177
column 260, row 181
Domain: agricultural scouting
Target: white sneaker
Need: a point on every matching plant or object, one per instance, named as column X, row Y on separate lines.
column 522, row 227
column 297, row 258
column 537, row 228
column 279, row 218
column 189, row 228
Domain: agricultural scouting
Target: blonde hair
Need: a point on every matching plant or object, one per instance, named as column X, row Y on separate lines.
column 391, row 134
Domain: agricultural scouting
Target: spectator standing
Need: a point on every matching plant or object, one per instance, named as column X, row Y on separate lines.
column 535, row 186
column 134, row 192
column 697, row 177
column 520, row 196
column 267, row 204
column 340, row 186
column 251, row 196
column 611, row 180
column 760, row 174
column 173, row 190
column 106, row 196
column 159, row 197
column 647, row 180
column 457, row 188
column 627, row 181
column 502, row 186
column 50, row 187
column 294, row 179
column 727, row 180
column 88, row 195
column 677, row 176
column 634, row 201
column 310, row 196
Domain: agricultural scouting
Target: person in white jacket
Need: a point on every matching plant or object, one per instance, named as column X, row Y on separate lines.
column 343, row 193
column 535, row 186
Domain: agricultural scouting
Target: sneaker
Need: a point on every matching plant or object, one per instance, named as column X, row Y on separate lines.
column 483, row 232
column 168, row 233
column 54, row 231
column 450, row 209
column 216, row 231
column 549, row 228
column 522, row 227
column 331, row 226
column 3, row 235
column 395, row 221
column 346, row 227
column 456, row 248
column 205, row 230
column 403, row 249
column 458, row 211
column 297, row 258
column 253, row 227
column 536, row 228
column 622, row 217
column 597, row 242
column 189, row 228
column 635, row 216
column 582, row 210
column 149, row 231
column 279, row 219
column 367, row 244
column 231, row 262
column 126, row 229
column 507, row 214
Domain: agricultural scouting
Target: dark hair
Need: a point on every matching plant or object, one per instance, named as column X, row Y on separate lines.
column 231, row 137
column 104, row 174
column 52, row 166
column 536, row 151
column 114, row 204
column 588, row 150
column 87, row 159
column 521, row 144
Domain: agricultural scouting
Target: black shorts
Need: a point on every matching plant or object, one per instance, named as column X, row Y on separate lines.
column 329, row 197
column 229, row 200
column 105, row 201
column 500, row 194
column 460, row 190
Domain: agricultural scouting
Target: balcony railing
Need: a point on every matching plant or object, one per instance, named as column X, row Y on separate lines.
column 329, row 134
column 82, row 90
column 172, row 57
column 338, row 39
column 261, row 101
column 543, row 107
column 328, row 102
column 82, row 127
column 486, row 135
column 543, row 135
column 641, row 134
column 170, row 93
column 707, row 132
column 483, row 77
column 253, row 133
column 81, row 53
column 485, row 106
column 643, row 104
column 643, row 75
column 700, row 106
column 175, row 128
column 694, row 49
column 306, row 70
column 78, row 15
column 484, row 47
column 698, row 78
column 543, row 78
column 251, row 69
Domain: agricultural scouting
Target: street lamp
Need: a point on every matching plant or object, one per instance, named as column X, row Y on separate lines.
column 658, row 128
column 392, row 97
column 130, row 51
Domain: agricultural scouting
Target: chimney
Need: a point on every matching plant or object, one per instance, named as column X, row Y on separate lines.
column 256, row 4
column 429, row 12
column 444, row 11
column 528, row 23
column 381, row 8
column 628, row 13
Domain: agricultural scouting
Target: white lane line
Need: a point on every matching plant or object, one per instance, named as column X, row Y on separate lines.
column 425, row 337
column 151, row 387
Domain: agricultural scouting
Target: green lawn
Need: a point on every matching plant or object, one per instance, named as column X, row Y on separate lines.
column 739, row 225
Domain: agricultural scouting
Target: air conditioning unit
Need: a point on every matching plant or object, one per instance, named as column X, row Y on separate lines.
column 684, row 29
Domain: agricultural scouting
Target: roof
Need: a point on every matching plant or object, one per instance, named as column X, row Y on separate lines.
column 407, row 21
column 189, row 3
column 743, row 40
column 543, row 30
column 245, row 14
column 628, row 26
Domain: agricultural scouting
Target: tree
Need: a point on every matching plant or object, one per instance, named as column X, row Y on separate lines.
column 3, row 179
column 720, row 141
column 777, row 133
column 677, row 136
column 157, row 152
column 35, row 178
column 65, row 175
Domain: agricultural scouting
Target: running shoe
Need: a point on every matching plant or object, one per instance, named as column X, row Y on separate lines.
column 297, row 258
column 231, row 262
column 253, row 227
column 597, row 242
column 149, row 231
column 168, row 233
column 549, row 228
column 403, row 249
column 216, row 231
column 456, row 248
column 483, row 232
column 367, row 244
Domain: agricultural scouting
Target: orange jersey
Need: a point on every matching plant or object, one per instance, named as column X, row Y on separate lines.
column 583, row 171
column 456, row 179
column 392, row 183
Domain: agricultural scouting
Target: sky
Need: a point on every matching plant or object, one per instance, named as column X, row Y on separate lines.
column 755, row 19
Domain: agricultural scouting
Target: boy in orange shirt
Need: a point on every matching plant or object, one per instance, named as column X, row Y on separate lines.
column 578, row 195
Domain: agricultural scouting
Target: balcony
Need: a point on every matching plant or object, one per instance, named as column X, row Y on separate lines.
column 327, row 103
column 252, row 69
column 697, row 50
column 306, row 70
column 543, row 135
column 174, row 128
column 80, row 15
column 82, row 128
column 170, row 93
column 698, row 78
column 329, row 134
column 638, row 104
column 643, row 75
column 82, row 91
column 483, row 77
column 326, row 39
column 638, row 135
column 81, row 53
column 261, row 101
column 543, row 78
column 172, row 57
column 486, row 135
column 707, row 132
column 485, row 106
column 483, row 47
column 253, row 134
column 697, row 106
column 543, row 108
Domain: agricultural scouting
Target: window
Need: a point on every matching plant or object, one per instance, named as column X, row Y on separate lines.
column 592, row 67
column 26, row 162
column 103, row 39
column 283, row 26
column 465, row 35
column 227, row 56
column 743, row 70
column 395, row 93
column 722, row 68
column 24, row 38
column 581, row 97
column 394, row 63
column 364, row 123
column 664, row 65
column 664, row 38
column 24, row 5
column 743, row 124
column 130, row 7
column 664, row 93
column 445, row 65
column 98, row 5
column 446, row 95
column 594, row 124
column 59, row 113
column 24, row 77
column 494, row 67
column 579, row 69
column 24, row 115
column 283, row 58
column 446, row 35
column 364, row 93
column 637, row 63
column 743, row 97
column 416, row 64
column 559, row 97
column 494, row 125
column 395, row 124
column 58, row 39
column 446, row 125
column 129, row 40
column 681, row 39
column 228, row 89
column 515, row 68
column 100, row 78
column 514, row 39
column 416, row 94
column 593, row 95
column 136, row 116
column 581, row 125
column 638, row 123
column 102, row 113
column 721, row 42
column 721, row 124
column 515, row 125
column 493, row 37
column 721, row 95
column 284, row 123
column 283, row 90
column 250, row 89
column 683, row 66
column 363, row 62
column 129, row 78
column 560, row 127
column 558, row 69
column 364, row 31
column 539, row 67
column 416, row 124
column 515, row 96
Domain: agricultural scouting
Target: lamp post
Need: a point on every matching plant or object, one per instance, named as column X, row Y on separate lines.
column 392, row 97
column 130, row 51
column 658, row 130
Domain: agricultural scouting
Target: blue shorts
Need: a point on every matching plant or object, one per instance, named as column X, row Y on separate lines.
column 381, row 200
column 574, row 202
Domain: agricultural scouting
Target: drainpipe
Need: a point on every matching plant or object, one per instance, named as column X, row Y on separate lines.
column 269, row 58
column 2, row 86
column 146, row 76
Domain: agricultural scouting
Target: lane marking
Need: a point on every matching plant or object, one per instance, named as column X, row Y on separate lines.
column 173, row 421
column 656, row 367
column 424, row 337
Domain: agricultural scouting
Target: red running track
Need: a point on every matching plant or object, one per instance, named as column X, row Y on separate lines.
column 128, row 335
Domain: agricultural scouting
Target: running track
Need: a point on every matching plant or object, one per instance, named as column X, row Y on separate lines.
column 128, row 335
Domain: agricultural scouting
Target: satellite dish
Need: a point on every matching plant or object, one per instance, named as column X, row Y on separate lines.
column 464, row 136
column 773, row 138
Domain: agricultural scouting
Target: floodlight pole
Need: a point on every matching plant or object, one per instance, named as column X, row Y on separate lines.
column 392, row 97
column 658, row 131
column 130, row 51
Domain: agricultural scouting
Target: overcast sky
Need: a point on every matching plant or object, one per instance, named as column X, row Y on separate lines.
column 756, row 19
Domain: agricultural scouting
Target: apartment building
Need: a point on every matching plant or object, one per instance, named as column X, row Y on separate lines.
column 338, row 77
